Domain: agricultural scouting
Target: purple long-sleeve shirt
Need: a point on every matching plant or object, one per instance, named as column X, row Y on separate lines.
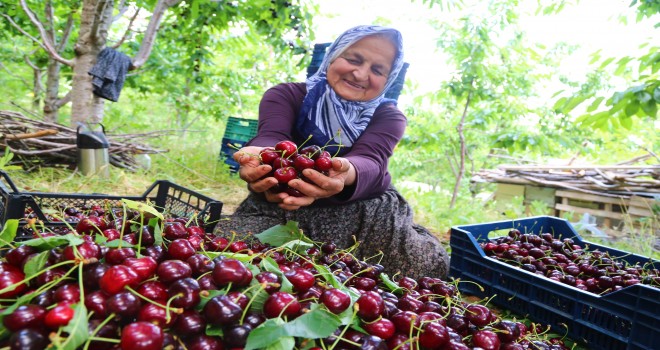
column 369, row 154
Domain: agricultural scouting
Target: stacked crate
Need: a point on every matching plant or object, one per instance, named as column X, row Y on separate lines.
column 237, row 133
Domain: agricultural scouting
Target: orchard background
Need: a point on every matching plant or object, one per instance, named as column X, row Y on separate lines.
column 199, row 62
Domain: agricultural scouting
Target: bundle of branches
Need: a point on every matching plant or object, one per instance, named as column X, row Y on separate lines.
column 38, row 143
column 614, row 180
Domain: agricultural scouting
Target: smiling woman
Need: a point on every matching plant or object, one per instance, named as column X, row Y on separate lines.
column 360, row 72
column 342, row 110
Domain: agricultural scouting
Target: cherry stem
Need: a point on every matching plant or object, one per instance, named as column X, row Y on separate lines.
column 166, row 307
column 96, row 330
column 25, row 280
column 247, row 307
column 109, row 340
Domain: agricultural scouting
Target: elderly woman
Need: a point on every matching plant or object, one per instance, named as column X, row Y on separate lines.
column 342, row 106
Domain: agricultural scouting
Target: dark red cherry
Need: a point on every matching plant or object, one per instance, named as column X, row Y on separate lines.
column 281, row 304
column 335, row 300
column 189, row 323
column 287, row 148
column 169, row 271
column 142, row 336
column 370, row 306
column 144, row 266
column 180, row 249
column 117, row 277
column 25, row 316
column 222, row 311
column 59, row 316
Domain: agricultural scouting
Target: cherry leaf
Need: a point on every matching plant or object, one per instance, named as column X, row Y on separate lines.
column 43, row 243
column 268, row 264
column 282, row 234
column 315, row 324
column 8, row 233
column 77, row 329
column 266, row 334
column 36, row 264
column 142, row 207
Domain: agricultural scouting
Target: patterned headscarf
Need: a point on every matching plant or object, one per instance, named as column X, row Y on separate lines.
column 330, row 119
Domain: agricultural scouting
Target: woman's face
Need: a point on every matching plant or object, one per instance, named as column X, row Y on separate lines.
column 361, row 71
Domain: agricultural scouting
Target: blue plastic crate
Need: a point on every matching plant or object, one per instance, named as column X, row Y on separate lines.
column 626, row 319
column 227, row 150
column 241, row 129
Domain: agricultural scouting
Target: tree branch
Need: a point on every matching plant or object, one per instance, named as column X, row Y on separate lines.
column 152, row 29
column 128, row 30
column 122, row 9
column 67, row 33
column 64, row 100
column 45, row 43
column 11, row 74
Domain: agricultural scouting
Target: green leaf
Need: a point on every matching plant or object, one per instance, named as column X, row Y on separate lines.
column 297, row 245
column 36, row 263
column 393, row 287
column 606, row 62
column 77, row 329
column 43, row 243
column 315, row 324
column 142, row 207
column 626, row 122
column 266, row 334
column 594, row 105
column 282, row 234
column 286, row 343
column 650, row 108
column 268, row 264
column 656, row 94
column 158, row 231
column 8, row 233
column 631, row 108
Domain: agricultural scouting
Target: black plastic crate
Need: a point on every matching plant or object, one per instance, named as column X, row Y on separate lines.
column 167, row 197
column 626, row 319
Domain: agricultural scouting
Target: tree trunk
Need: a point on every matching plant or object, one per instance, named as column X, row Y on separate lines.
column 461, row 166
column 94, row 22
column 52, row 91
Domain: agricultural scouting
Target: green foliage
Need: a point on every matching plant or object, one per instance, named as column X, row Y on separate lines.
column 639, row 101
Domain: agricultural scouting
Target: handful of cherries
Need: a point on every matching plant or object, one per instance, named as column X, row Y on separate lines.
column 288, row 162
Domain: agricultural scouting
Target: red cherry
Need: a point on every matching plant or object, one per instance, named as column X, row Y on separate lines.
column 281, row 304
column 335, row 300
column 383, row 328
column 231, row 271
column 268, row 155
column 286, row 174
column 90, row 225
column 302, row 162
column 301, row 279
column 25, row 316
column 144, row 266
column 433, row 336
column 323, row 164
column 486, row 340
column 171, row 270
column 174, row 229
column 370, row 306
column 288, row 148
column 142, row 336
column 59, row 316
column 117, row 277
column 181, row 249
column 11, row 277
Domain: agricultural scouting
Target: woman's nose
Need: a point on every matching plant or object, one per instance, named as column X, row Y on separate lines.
column 361, row 72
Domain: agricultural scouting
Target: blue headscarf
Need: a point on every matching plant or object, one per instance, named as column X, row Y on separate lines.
column 330, row 119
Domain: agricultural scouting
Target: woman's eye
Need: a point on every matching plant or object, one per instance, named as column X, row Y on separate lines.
column 352, row 60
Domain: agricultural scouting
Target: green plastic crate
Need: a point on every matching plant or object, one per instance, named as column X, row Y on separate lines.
column 241, row 129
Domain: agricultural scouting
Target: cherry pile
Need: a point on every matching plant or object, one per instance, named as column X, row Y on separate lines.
column 288, row 162
column 125, row 284
column 563, row 261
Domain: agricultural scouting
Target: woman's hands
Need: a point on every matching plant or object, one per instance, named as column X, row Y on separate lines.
column 252, row 171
